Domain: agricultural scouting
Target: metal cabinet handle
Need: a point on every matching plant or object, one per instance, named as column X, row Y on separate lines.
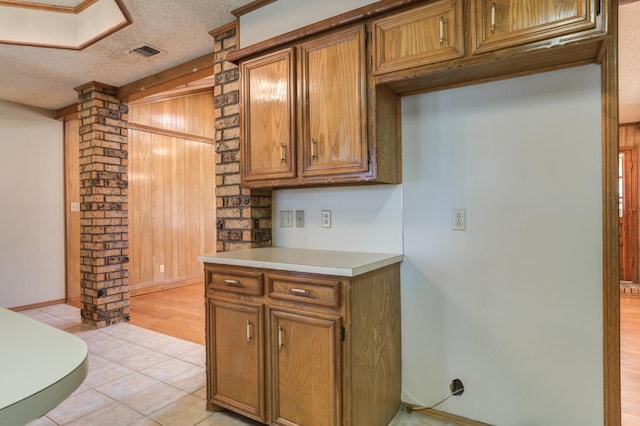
column 299, row 292
column 280, row 337
column 441, row 30
column 249, row 337
column 233, row 283
column 314, row 147
column 283, row 152
column 493, row 16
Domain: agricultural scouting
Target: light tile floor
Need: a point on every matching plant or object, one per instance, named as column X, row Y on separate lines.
column 140, row 377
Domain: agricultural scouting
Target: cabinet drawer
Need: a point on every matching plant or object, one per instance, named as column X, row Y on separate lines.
column 305, row 290
column 236, row 282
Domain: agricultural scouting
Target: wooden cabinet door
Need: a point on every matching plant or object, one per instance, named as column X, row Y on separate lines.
column 306, row 373
column 236, row 359
column 424, row 35
column 504, row 23
column 334, row 98
column 268, row 117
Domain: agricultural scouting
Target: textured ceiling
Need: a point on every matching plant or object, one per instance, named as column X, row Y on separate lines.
column 45, row 77
column 629, row 62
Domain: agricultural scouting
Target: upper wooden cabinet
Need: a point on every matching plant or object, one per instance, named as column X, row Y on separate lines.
column 424, row 35
column 497, row 24
column 333, row 135
column 268, row 117
column 306, row 116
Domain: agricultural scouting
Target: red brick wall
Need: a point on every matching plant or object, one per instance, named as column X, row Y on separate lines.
column 243, row 216
column 104, row 251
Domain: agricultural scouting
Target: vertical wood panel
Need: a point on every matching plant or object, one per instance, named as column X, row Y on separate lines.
column 171, row 190
column 72, row 219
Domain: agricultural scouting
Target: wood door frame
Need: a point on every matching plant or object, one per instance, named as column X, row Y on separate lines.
column 631, row 205
column 610, row 242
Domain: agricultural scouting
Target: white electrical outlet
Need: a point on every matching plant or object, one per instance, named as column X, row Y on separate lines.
column 161, row 268
column 299, row 218
column 286, row 218
column 326, row 218
column 459, row 219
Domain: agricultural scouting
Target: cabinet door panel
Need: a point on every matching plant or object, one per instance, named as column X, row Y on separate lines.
column 424, row 35
column 505, row 23
column 333, row 109
column 236, row 355
column 306, row 370
column 268, row 117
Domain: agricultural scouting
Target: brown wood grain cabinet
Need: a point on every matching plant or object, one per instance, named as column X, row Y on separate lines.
column 427, row 34
column 292, row 348
column 305, row 116
column 498, row 24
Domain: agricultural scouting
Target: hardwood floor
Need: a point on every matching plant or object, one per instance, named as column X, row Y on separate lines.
column 178, row 312
column 630, row 359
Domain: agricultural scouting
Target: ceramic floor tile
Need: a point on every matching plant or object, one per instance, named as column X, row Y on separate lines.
column 128, row 350
column 105, row 374
column 176, row 347
column 100, row 342
column 112, row 414
column 155, row 340
column 42, row 421
column 167, row 369
column 201, row 393
column 186, row 411
column 195, row 356
column 225, row 418
column 190, row 380
column 37, row 314
column 404, row 418
column 126, row 386
column 153, row 398
column 145, row 422
column 145, row 358
column 77, row 406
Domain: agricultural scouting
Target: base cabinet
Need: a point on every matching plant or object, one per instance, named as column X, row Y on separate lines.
column 290, row 348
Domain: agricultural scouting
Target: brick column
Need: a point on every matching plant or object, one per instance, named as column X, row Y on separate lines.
column 243, row 216
column 104, row 251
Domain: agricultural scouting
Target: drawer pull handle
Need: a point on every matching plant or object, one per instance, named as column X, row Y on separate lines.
column 283, row 157
column 232, row 283
column 249, row 337
column 314, row 147
column 441, row 30
column 299, row 292
column 493, row 16
column 280, row 337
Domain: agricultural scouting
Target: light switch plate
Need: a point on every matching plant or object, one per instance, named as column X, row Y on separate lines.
column 299, row 218
column 286, row 218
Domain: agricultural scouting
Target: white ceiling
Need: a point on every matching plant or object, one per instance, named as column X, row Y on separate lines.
column 45, row 77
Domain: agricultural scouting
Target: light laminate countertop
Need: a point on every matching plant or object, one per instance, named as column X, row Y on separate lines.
column 326, row 262
column 40, row 366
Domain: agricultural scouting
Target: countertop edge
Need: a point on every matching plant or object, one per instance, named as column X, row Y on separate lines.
column 356, row 270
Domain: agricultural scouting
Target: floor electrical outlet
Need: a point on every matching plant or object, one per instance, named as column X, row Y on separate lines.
column 456, row 387
column 286, row 218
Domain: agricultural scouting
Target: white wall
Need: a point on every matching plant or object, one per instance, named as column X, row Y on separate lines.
column 512, row 306
column 32, row 218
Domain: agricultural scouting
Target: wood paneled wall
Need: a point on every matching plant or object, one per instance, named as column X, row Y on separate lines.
column 171, row 190
column 630, row 138
column 72, row 219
